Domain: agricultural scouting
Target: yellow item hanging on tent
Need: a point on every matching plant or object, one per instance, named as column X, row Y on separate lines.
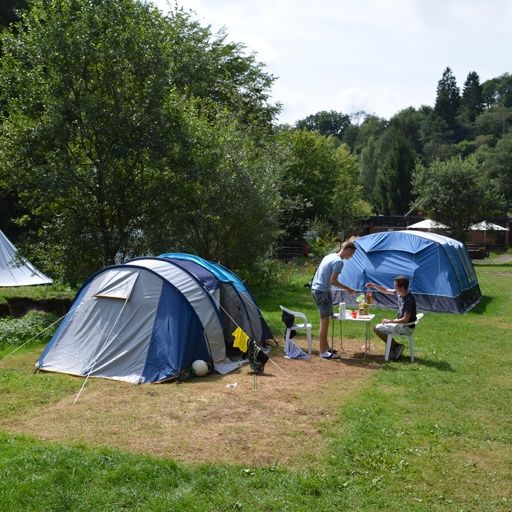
column 241, row 339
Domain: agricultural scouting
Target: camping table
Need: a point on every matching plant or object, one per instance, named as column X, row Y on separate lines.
column 359, row 318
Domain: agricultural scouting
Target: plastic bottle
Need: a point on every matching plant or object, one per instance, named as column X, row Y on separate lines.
column 369, row 298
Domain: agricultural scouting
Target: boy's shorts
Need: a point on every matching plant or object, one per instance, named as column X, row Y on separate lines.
column 323, row 301
column 400, row 329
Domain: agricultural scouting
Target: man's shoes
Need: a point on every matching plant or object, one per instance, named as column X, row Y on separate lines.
column 332, row 350
column 329, row 355
column 397, row 352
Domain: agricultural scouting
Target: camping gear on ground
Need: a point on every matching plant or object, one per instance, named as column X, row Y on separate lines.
column 257, row 358
column 293, row 351
column 441, row 274
column 143, row 321
column 16, row 271
column 200, row 368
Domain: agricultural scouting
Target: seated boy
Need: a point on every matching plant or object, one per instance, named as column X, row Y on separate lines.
column 406, row 312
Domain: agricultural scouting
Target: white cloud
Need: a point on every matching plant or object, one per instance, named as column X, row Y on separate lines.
column 353, row 99
column 375, row 55
column 264, row 50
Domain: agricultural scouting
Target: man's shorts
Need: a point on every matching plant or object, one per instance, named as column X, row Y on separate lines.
column 400, row 329
column 323, row 301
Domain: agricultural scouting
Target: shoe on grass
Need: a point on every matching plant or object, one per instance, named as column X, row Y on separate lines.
column 397, row 352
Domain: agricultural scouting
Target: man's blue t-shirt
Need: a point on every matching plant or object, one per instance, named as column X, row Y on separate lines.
column 322, row 280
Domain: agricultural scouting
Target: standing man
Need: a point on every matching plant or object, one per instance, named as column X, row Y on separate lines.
column 326, row 275
column 406, row 312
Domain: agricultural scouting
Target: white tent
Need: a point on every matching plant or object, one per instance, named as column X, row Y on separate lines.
column 486, row 226
column 428, row 224
column 15, row 272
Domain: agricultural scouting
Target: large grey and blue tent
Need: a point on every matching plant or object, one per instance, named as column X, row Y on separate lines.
column 441, row 274
column 146, row 320
column 233, row 298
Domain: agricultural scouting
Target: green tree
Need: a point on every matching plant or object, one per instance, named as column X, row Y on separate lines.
column 448, row 97
column 88, row 120
column 320, row 181
column 370, row 161
column 448, row 102
column 472, row 97
column 348, row 203
column 372, row 126
column 495, row 121
column 498, row 91
column 387, row 161
column 392, row 193
column 228, row 206
column 455, row 192
column 326, row 123
column 208, row 66
column 410, row 122
column 96, row 138
column 437, row 138
column 498, row 168
column 9, row 11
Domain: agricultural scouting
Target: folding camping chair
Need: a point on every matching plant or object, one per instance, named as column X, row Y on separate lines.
column 302, row 325
column 409, row 336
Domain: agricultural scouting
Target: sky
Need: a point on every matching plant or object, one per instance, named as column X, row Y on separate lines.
column 377, row 56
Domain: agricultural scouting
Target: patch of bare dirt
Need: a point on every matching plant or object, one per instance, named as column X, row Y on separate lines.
column 276, row 418
column 20, row 306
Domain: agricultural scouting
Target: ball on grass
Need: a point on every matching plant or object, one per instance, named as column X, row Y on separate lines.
column 200, row 368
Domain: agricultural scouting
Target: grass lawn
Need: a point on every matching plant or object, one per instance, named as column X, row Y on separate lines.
column 54, row 291
column 434, row 435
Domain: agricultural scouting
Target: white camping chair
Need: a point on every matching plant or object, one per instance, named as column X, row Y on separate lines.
column 303, row 325
column 409, row 336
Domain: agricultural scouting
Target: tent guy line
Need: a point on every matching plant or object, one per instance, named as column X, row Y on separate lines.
column 102, row 350
column 31, row 339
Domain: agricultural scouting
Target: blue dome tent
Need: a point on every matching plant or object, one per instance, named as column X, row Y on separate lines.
column 147, row 320
column 441, row 274
column 234, row 300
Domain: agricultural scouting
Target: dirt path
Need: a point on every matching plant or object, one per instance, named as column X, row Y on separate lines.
column 278, row 417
